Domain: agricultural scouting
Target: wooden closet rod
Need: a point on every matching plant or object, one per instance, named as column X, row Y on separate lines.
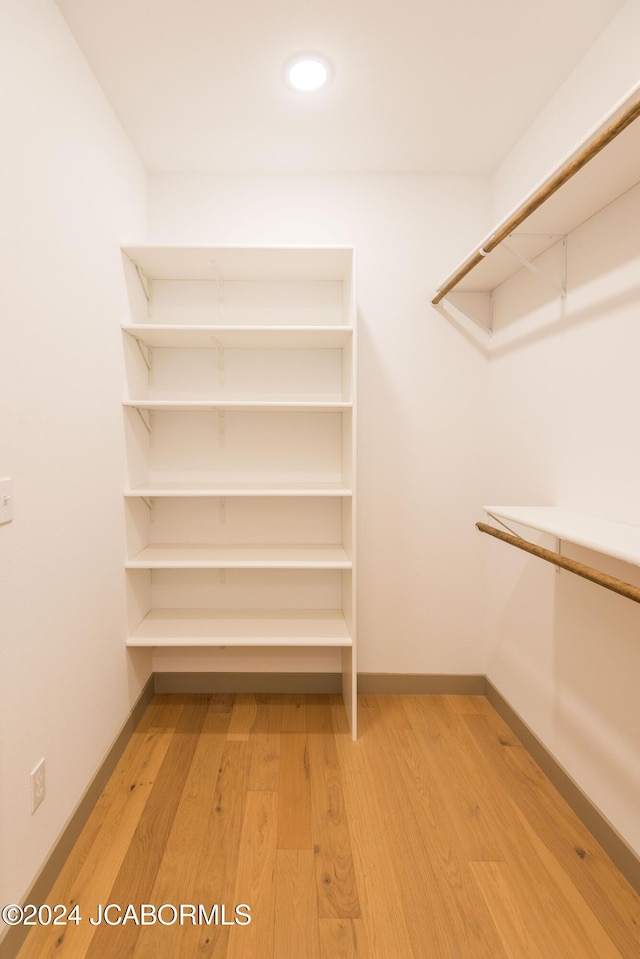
column 593, row 575
column 547, row 189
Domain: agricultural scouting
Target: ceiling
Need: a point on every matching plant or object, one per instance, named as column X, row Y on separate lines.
column 419, row 86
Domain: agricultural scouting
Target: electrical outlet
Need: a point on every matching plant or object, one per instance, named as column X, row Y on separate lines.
column 38, row 785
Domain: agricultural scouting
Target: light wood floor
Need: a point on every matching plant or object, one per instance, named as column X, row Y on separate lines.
column 435, row 836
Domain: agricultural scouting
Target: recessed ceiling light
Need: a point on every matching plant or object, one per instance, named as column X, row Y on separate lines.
column 308, row 73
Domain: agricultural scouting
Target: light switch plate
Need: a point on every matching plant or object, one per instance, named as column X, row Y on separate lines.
column 6, row 499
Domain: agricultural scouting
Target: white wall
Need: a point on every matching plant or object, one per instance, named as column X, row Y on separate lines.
column 602, row 78
column 71, row 189
column 563, row 407
column 421, row 394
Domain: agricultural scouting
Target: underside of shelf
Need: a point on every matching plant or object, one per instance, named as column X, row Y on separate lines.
column 611, row 538
column 212, row 627
column 177, row 556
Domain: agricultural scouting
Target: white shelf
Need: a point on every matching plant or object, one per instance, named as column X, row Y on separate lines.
column 212, row 627
column 167, row 262
column 178, row 556
column 175, row 336
column 236, row 489
column 240, row 406
column 607, row 175
column 619, row 540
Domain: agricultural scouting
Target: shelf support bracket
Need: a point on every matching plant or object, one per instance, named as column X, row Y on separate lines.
column 501, row 522
column 221, row 365
column 560, row 288
column 147, row 355
column 145, row 282
column 148, row 423
column 223, row 510
column 221, row 428
column 150, row 502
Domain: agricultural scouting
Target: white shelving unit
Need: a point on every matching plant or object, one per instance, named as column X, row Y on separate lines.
column 618, row 540
column 241, row 439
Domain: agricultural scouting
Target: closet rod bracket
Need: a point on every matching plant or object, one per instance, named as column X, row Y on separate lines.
column 560, row 287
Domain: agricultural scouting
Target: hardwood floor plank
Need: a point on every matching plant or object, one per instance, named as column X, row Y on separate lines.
column 137, row 874
column 296, row 909
column 243, row 716
column 319, row 714
column 220, row 853
column 343, row 939
column 164, row 712
column 544, row 908
column 335, row 873
column 433, row 714
column 294, row 713
column 545, row 813
column 583, row 922
column 255, row 881
column 381, row 711
column 269, row 713
column 339, row 718
column 90, row 872
column 264, row 770
column 518, row 932
column 380, row 889
column 468, row 919
column 177, row 879
column 464, row 705
column 430, row 909
column 136, row 768
column 294, row 800
column 222, row 703
column 475, row 813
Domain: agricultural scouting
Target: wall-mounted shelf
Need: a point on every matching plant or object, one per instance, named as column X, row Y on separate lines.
column 223, row 556
column 173, row 336
column 238, row 406
column 200, row 489
column 214, row 627
column 601, row 167
column 619, row 540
